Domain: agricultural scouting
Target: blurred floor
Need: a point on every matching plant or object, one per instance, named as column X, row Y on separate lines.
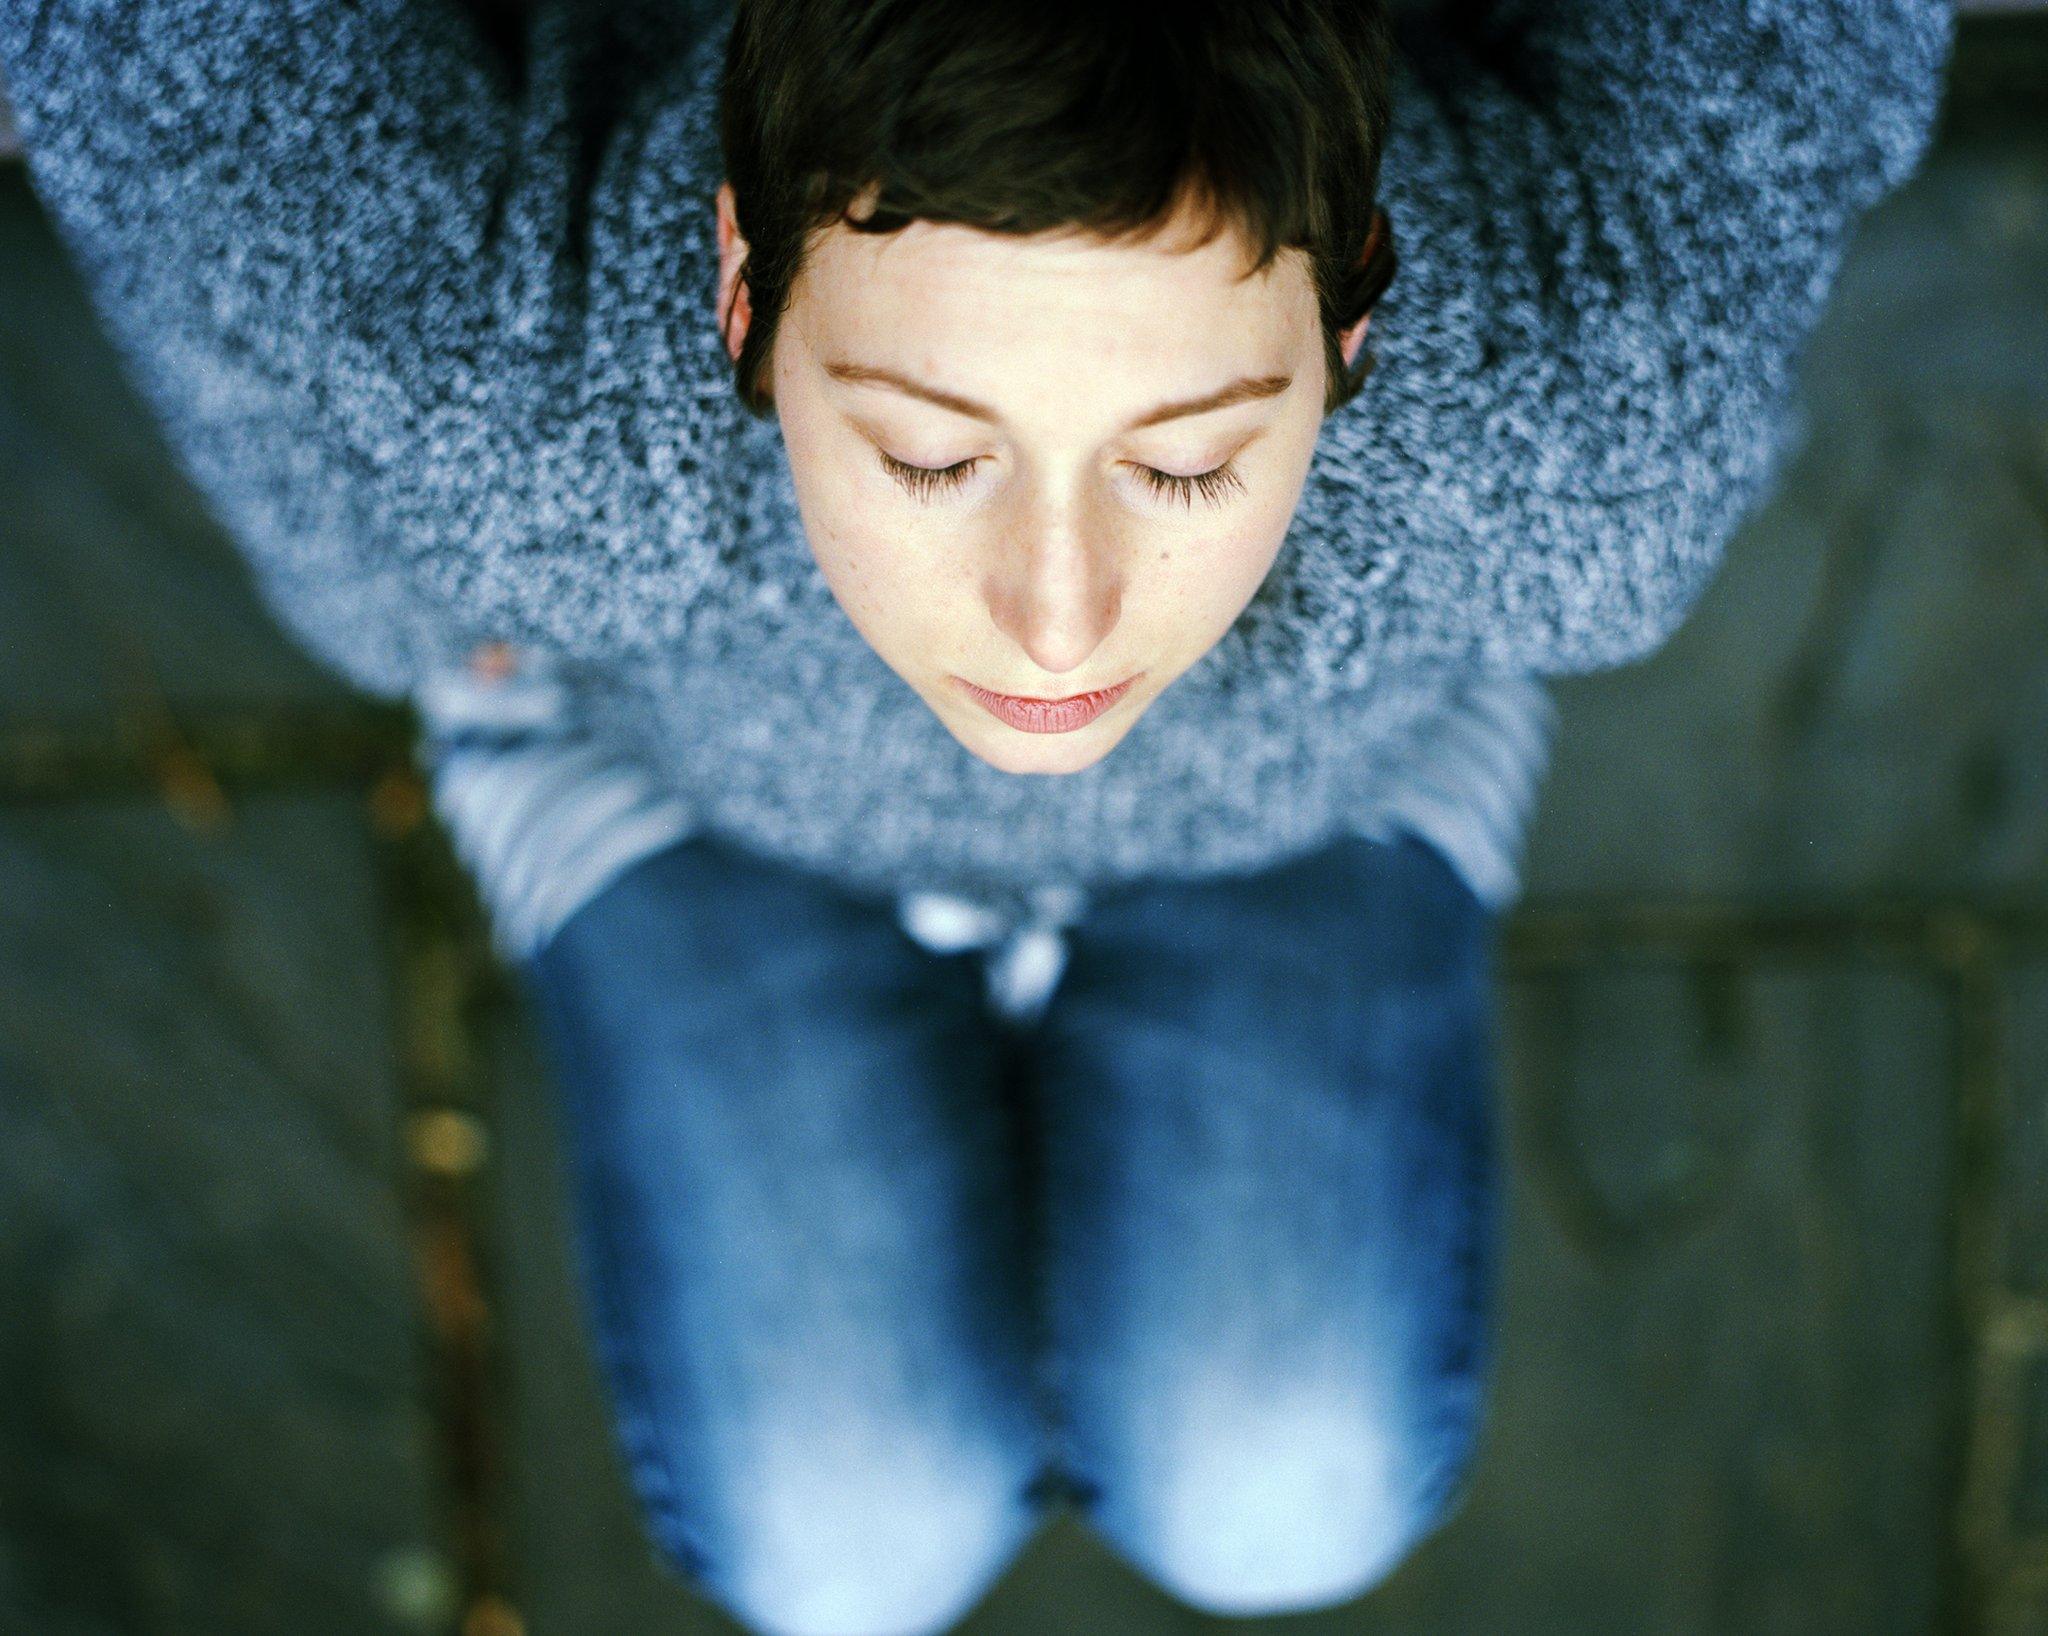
column 291, row 1343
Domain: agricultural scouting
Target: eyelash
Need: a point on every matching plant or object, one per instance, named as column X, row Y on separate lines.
column 926, row 481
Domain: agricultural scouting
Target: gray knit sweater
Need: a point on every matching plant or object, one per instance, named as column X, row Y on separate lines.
column 431, row 327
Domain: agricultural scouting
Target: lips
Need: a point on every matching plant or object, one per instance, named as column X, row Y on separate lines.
column 1029, row 715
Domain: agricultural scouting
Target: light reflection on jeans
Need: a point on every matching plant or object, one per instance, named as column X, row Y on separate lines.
column 876, row 1273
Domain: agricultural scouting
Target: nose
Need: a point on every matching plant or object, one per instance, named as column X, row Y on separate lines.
column 1059, row 598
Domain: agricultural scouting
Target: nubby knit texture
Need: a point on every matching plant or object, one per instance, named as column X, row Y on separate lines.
column 432, row 327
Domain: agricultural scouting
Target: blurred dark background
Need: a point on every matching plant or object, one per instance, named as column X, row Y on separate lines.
column 290, row 1338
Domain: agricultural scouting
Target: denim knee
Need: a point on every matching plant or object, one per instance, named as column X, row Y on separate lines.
column 1252, row 1502
column 864, row 1539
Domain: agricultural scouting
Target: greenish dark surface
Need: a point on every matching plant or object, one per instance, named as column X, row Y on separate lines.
column 1774, row 1025
column 210, row 1399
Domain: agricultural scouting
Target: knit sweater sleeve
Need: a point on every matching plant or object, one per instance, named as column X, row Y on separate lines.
column 387, row 287
column 1619, row 223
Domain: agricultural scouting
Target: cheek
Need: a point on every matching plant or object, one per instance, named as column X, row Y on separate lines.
column 830, row 495
column 1241, row 556
column 879, row 573
column 1244, row 571
column 1208, row 579
column 1197, row 587
column 887, row 572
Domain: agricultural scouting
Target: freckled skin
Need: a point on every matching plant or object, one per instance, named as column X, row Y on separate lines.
column 1054, row 568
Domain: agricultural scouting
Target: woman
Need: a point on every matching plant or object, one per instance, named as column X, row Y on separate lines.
column 998, row 752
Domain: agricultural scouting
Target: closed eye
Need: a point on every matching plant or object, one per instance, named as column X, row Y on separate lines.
column 1210, row 485
column 925, row 482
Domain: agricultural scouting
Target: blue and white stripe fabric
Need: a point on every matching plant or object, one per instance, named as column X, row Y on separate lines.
column 541, row 817
column 1472, row 793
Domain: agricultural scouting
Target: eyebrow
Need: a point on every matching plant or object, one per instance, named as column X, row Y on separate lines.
column 1245, row 389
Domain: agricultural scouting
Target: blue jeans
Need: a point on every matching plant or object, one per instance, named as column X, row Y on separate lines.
column 876, row 1275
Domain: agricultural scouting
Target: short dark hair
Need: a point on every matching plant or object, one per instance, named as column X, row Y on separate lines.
column 1027, row 116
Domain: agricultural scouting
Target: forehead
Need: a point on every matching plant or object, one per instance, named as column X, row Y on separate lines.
column 939, row 291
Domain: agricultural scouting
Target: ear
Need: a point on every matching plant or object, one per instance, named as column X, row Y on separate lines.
column 732, row 253
column 1353, row 339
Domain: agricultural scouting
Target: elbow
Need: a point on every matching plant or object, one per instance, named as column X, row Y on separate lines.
column 1645, row 623
column 1640, row 567
column 1627, row 622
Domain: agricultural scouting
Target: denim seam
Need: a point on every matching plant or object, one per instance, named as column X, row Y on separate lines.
column 655, row 1478
column 1442, row 1491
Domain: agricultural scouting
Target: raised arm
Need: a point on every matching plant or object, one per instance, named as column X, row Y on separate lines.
column 1621, row 221
column 373, row 273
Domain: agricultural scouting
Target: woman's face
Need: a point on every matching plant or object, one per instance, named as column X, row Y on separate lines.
column 1054, row 550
